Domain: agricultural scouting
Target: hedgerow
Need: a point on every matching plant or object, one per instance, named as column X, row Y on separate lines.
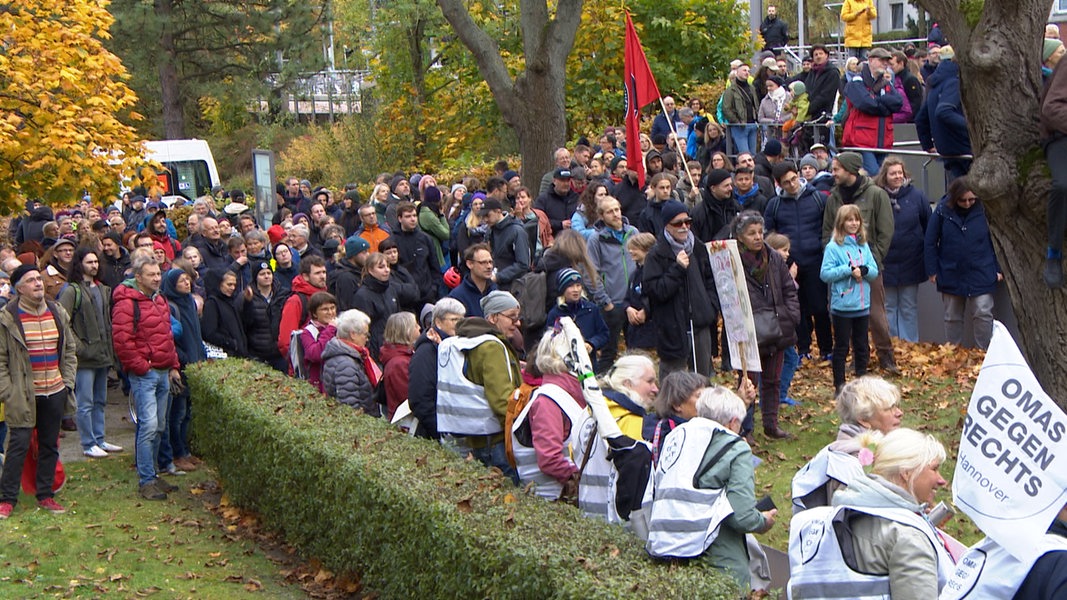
column 404, row 514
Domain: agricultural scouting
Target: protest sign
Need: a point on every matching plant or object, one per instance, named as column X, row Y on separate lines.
column 735, row 305
column 1011, row 472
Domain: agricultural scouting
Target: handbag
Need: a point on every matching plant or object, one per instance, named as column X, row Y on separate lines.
column 768, row 329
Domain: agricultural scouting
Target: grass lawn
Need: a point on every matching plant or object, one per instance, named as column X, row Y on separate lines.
column 111, row 543
column 936, row 388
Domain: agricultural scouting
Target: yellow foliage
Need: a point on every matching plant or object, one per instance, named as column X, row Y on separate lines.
column 60, row 92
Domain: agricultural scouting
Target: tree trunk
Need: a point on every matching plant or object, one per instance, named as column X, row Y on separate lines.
column 999, row 60
column 533, row 103
column 169, row 85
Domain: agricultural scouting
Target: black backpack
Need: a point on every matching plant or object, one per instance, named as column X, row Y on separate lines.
column 277, row 304
column 531, row 290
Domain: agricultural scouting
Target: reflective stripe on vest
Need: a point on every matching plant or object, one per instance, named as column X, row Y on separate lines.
column 826, row 465
column 817, row 569
column 684, row 520
column 526, row 457
column 462, row 407
column 596, row 492
column 987, row 570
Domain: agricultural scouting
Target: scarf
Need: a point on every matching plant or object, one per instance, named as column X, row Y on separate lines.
column 755, row 263
column 690, row 242
column 371, row 368
column 848, row 192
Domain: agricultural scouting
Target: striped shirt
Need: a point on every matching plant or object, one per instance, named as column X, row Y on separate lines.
column 42, row 340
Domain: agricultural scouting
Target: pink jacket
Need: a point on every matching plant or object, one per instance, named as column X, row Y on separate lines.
column 549, row 429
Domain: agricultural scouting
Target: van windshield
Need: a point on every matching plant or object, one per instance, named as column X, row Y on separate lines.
column 189, row 178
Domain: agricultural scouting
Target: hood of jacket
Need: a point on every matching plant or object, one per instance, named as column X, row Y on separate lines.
column 301, row 286
column 875, row 491
column 391, row 351
column 476, row 326
column 946, row 69
column 42, row 213
column 336, row 347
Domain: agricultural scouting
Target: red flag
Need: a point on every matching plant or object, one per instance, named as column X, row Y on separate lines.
column 640, row 91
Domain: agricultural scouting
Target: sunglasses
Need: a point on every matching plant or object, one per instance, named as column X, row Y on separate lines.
column 683, row 222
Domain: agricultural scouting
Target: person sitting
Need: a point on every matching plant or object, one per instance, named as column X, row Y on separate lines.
column 895, row 551
column 630, row 388
column 710, row 467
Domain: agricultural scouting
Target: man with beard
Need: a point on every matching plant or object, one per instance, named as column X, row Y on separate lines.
column 872, row 100
column 774, row 31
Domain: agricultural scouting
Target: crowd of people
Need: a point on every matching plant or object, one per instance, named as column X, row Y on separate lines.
column 452, row 308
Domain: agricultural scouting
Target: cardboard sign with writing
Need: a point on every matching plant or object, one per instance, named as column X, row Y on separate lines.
column 735, row 305
column 1011, row 472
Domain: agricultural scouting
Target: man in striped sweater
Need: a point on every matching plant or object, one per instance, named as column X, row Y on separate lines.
column 38, row 363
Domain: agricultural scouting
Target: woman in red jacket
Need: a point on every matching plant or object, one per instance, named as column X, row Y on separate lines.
column 401, row 331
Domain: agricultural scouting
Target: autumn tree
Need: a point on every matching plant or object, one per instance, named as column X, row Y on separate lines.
column 61, row 93
column 998, row 49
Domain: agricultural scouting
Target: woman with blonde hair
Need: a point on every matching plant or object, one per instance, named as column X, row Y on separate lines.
column 570, row 251
column 883, row 518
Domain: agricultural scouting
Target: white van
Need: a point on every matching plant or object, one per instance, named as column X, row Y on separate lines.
column 190, row 167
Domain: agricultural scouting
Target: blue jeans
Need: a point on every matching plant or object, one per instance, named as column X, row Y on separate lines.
column 872, row 162
column 902, row 310
column 90, row 390
column 151, row 396
column 744, row 137
column 180, row 415
column 790, row 362
column 496, row 456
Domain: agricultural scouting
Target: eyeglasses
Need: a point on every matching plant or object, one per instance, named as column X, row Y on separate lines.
column 484, row 263
column 512, row 318
column 682, row 223
column 968, row 200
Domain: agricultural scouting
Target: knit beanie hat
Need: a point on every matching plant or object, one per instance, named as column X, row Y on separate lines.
column 809, row 160
column 717, row 176
column 257, row 266
column 850, row 161
column 673, row 208
column 276, row 233
column 431, row 197
column 354, row 245
column 21, row 272
column 566, row 278
column 1049, row 48
column 497, row 302
column 798, row 88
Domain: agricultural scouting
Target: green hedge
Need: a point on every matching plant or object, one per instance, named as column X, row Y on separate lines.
column 406, row 515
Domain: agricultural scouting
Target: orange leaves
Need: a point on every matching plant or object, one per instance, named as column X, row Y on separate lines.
column 60, row 92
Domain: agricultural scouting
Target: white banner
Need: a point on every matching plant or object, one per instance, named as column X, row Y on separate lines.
column 1011, row 472
column 733, row 300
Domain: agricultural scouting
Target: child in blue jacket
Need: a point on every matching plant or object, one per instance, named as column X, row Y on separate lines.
column 586, row 315
column 847, row 266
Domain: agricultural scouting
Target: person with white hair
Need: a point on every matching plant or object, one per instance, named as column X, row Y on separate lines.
column 349, row 374
column 881, row 519
column 422, row 371
column 545, row 434
column 630, row 387
column 705, row 499
column 868, row 403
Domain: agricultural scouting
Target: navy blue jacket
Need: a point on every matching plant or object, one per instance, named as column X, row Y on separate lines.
column 940, row 121
column 1048, row 577
column 904, row 264
column 468, row 293
column 639, row 336
column 587, row 317
column 960, row 252
column 799, row 219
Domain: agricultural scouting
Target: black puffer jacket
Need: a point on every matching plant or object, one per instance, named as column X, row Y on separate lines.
column 378, row 300
column 255, row 318
column 31, row 228
column 220, row 323
column 665, row 283
column 419, row 257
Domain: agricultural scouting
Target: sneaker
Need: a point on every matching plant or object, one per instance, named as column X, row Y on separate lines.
column 95, row 452
column 173, row 470
column 51, row 506
column 1053, row 273
column 151, row 491
column 110, row 447
column 790, row 401
column 166, row 486
column 5, row 509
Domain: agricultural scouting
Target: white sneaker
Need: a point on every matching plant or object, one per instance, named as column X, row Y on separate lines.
column 110, row 447
column 173, row 470
column 95, row 452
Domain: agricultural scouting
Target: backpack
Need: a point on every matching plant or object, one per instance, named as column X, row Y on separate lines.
column 516, row 404
column 277, row 305
column 531, row 290
column 296, row 350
